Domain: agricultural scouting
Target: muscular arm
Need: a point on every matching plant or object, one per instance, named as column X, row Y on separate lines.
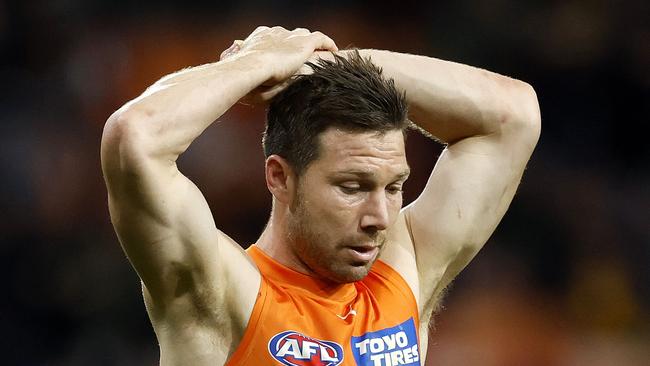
column 161, row 218
column 490, row 125
column 163, row 222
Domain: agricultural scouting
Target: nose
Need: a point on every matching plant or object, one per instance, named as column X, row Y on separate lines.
column 375, row 215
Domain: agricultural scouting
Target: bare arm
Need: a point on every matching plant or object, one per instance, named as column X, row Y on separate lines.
column 490, row 124
column 163, row 222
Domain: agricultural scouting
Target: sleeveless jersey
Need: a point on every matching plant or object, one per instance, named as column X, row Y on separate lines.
column 299, row 320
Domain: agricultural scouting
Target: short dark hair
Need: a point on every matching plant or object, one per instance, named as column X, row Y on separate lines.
column 348, row 92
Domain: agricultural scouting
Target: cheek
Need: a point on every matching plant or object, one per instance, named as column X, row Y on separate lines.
column 395, row 205
column 395, row 202
column 344, row 206
column 333, row 200
column 333, row 211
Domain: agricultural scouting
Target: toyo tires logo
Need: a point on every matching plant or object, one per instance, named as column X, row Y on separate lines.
column 396, row 345
column 295, row 349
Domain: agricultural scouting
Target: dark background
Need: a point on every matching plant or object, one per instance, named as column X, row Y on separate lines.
column 563, row 281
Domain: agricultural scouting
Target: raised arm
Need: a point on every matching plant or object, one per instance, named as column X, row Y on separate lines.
column 162, row 220
column 490, row 125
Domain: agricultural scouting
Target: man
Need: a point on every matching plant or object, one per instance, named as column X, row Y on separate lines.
column 341, row 275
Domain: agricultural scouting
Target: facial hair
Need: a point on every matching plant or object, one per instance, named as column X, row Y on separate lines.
column 318, row 251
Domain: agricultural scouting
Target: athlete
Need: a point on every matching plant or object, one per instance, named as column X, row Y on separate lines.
column 342, row 274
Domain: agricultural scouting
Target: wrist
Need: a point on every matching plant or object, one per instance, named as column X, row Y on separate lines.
column 254, row 63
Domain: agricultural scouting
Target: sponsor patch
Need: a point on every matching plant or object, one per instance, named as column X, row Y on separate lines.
column 296, row 349
column 397, row 345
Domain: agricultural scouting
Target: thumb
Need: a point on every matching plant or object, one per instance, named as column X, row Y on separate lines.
column 233, row 49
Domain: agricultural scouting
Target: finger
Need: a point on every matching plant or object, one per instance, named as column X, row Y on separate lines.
column 323, row 42
column 301, row 31
column 257, row 31
column 234, row 48
column 264, row 93
column 304, row 69
column 268, row 93
column 278, row 29
column 225, row 52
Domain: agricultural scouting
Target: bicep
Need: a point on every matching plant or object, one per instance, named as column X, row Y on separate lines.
column 167, row 231
column 466, row 196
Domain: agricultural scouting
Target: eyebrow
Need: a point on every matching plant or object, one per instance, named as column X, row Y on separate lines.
column 369, row 174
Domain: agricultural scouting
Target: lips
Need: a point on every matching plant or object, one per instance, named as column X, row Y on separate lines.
column 363, row 253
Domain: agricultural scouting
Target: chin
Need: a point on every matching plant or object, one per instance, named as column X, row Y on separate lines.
column 350, row 274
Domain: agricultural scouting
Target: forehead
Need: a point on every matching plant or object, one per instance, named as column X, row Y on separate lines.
column 369, row 152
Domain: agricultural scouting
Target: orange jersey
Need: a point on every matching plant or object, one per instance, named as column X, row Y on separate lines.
column 299, row 320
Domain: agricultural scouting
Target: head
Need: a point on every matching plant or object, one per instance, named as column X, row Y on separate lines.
column 336, row 164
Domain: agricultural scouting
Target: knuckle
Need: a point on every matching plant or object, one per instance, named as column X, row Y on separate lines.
column 259, row 30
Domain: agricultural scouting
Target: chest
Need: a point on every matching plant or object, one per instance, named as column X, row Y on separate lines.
column 372, row 328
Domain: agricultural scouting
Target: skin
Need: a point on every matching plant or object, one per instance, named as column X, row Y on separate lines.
column 344, row 203
column 200, row 287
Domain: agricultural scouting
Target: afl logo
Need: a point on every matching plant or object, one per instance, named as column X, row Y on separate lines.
column 295, row 349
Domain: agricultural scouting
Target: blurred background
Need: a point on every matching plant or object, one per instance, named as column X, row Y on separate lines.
column 563, row 281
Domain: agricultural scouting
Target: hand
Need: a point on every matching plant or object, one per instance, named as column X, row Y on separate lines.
column 284, row 53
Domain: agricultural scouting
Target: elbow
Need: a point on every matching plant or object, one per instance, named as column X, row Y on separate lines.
column 124, row 141
column 532, row 117
column 123, row 125
column 523, row 118
column 124, row 129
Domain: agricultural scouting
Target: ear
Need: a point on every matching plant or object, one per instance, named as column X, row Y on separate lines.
column 280, row 178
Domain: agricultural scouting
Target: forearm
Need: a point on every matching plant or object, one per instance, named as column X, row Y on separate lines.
column 169, row 115
column 453, row 101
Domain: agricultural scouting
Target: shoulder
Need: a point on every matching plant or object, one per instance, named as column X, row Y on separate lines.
column 398, row 256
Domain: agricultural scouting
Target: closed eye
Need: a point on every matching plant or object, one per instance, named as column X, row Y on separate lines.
column 353, row 187
column 394, row 189
column 347, row 189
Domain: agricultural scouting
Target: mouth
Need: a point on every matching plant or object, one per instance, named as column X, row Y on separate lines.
column 363, row 254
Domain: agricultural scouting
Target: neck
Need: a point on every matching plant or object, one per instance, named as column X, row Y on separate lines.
column 275, row 237
column 272, row 239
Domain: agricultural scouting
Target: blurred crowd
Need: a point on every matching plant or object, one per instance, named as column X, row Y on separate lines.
column 563, row 281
